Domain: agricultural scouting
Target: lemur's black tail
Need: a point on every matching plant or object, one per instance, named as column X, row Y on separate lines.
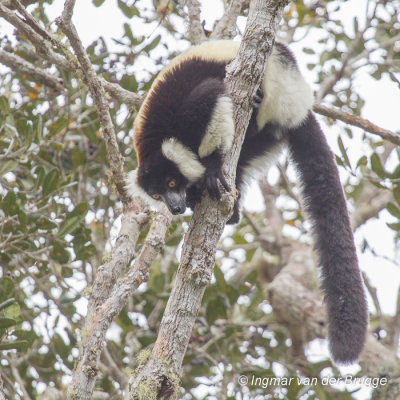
column 325, row 204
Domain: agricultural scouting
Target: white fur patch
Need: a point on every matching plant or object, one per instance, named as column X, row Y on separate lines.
column 258, row 167
column 220, row 130
column 135, row 190
column 184, row 158
column 287, row 97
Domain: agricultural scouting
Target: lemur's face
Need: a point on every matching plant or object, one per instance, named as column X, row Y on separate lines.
column 171, row 190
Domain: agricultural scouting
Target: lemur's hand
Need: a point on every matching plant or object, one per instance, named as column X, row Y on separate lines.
column 213, row 174
column 210, row 181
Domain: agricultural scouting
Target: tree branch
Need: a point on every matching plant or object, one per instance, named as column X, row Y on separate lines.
column 196, row 31
column 159, row 376
column 226, row 26
column 44, row 43
column 2, row 395
column 355, row 120
column 37, row 74
column 96, row 89
column 111, row 291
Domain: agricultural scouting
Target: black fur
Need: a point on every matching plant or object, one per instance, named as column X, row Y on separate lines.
column 326, row 205
column 180, row 106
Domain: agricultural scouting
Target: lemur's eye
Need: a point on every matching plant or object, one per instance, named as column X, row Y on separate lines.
column 171, row 183
column 156, row 196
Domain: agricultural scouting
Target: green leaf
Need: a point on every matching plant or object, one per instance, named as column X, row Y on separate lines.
column 77, row 157
column 73, row 219
column 129, row 82
column 40, row 175
column 153, row 44
column 376, row 165
column 13, row 311
column 393, row 209
column 50, row 182
column 38, row 128
column 396, row 194
column 4, row 105
column 25, row 129
column 80, row 209
column 6, row 288
column 220, row 279
column 69, row 225
column 129, row 12
column 395, row 227
column 129, row 34
column 9, row 203
column 45, row 224
column 7, row 322
column 98, row 3
column 16, row 344
column 239, row 239
column 23, row 219
column 58, row 126
column 215, row 310
column 6, row 303
column 59, row 253
column 362, row 162
column 343, row 152
column 60, row 347
column 7, row 166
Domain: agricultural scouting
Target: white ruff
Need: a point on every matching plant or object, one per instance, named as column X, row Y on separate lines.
column 135, row 190
column 220, row 130
column 287, row 97
column 184, row 158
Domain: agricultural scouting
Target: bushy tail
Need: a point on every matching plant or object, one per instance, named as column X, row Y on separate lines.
column 325, row 204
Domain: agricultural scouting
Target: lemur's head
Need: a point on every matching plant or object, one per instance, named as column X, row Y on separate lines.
column 161, row 182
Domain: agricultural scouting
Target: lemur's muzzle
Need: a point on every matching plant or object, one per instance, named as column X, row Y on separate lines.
column 176, row 201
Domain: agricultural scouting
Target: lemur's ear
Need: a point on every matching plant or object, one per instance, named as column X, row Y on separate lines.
column 135, row 190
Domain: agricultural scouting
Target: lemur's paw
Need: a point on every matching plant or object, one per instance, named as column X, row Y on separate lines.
column 211, row 183
column 258, row 98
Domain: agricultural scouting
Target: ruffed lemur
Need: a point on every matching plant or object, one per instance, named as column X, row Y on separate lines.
column 184, row 128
